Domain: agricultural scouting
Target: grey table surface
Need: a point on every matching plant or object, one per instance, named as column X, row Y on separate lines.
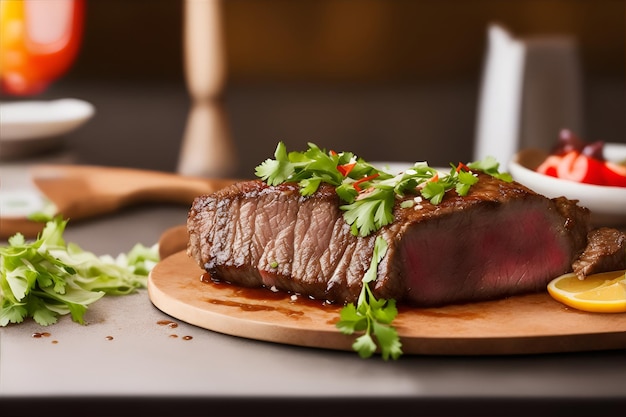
column 123, row 360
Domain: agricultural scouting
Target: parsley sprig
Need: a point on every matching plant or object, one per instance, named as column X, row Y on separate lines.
column 372, row 316
column 312, row 167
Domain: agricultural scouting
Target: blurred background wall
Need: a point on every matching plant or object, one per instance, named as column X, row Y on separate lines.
column 346, row 40
column 429, row 51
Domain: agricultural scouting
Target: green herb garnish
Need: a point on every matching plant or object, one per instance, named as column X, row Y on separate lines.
column 368, row 192
column 372, row 316
column 490, row 166
column 47, row 278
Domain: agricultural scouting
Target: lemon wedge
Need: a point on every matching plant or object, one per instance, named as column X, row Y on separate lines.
column 598, row 293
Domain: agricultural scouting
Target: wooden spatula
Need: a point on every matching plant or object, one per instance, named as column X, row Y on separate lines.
column 82, row 191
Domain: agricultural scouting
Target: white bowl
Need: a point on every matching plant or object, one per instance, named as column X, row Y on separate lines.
column 32, row 126
column 607, row 204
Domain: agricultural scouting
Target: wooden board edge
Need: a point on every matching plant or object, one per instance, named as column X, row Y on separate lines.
column 333, row 339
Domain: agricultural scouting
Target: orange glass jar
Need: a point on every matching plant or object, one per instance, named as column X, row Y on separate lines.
column 39, row 41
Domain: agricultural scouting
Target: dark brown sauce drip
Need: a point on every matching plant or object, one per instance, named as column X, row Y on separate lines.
column 109, row 338
column 173, row 336
column 256, row 307
column 38, row 335
column 169, row 323
column 263, row 294
column 187, row 337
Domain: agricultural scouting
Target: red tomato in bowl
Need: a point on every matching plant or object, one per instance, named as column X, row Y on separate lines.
column 614, row 174
column 549, row 166
column 580, row 168
column 575, row 160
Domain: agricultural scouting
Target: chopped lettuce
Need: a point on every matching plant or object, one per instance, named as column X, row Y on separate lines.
column 47, row 278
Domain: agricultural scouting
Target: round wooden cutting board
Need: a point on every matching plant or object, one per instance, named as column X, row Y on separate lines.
column 517, row 325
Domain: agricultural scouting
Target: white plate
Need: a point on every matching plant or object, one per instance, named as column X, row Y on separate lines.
column 28, row 127
column 607, row 204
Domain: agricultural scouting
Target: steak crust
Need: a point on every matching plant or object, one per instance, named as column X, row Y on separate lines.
column 500, row 239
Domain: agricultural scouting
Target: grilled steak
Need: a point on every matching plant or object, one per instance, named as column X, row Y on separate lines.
column 498, row 240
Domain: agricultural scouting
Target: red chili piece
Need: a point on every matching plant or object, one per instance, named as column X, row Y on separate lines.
column 357, row 183
column 345, row 168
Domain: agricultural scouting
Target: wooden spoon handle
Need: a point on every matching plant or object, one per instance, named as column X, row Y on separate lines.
column 170, row 188
column 82, row 191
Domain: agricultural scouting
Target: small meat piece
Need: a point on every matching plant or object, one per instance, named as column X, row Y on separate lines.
column 605, row 251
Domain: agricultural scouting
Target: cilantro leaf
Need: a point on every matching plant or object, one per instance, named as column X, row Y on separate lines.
column 466, row 180
column 12, row 313
column 370, row 213
column 388, row 339
column 489, row 165
column 276, row 171
column 364, row 345
column 434, row 191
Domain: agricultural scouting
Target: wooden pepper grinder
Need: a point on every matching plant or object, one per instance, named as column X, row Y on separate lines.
column 207, row 148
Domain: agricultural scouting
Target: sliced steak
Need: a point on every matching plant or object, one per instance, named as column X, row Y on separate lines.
column 605, row 251
column 255, row 235
column 500, row 239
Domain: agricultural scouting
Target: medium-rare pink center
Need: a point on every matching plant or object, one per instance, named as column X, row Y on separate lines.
column 488, row 251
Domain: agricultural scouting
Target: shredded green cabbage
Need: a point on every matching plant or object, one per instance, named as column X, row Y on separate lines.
column 47, row 278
